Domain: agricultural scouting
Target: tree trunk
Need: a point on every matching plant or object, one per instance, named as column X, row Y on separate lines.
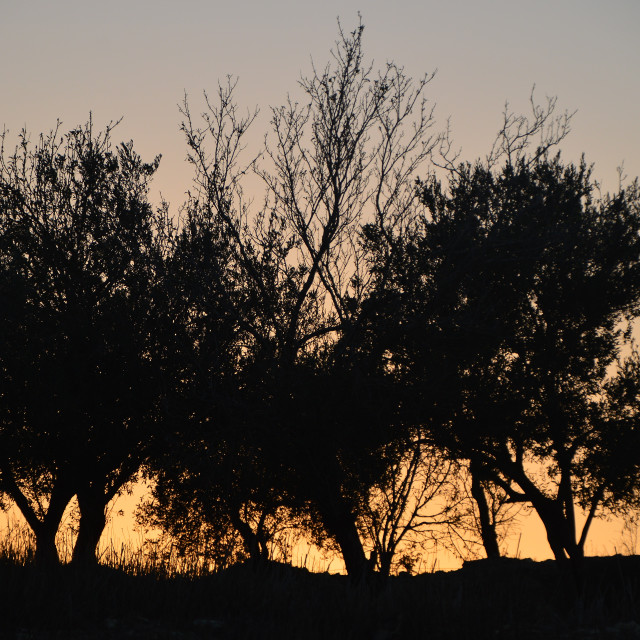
column 561, row 536
column 559, row 522
column 340, row 524
column 554, row 538
column 46, row 556
column 44, row 529
column 385, row 563
column 487, row 526
column 92, row 523
column 258, row 553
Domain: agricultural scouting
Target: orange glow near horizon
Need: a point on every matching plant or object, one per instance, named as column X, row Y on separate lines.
column 526, row 538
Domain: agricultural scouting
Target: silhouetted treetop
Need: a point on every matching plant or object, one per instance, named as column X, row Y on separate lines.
column 81, row 254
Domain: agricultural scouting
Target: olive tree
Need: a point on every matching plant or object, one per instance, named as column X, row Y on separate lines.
column 79, row 255
column 531, row 279
column 345, row 153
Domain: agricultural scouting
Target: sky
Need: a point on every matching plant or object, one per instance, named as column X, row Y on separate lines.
column 135, row 59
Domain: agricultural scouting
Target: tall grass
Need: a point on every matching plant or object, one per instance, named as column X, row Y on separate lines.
column 17, row 542
column 146, row 553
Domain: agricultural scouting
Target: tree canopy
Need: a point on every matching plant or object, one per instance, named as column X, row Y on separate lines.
column 80, row 255
column 517, row 288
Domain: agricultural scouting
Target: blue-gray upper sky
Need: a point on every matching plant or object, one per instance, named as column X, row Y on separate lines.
column 135, row 58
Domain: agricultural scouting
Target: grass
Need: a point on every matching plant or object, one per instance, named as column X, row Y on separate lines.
column 163, row 596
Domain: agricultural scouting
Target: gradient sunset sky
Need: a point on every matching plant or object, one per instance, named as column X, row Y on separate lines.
column 136, row 58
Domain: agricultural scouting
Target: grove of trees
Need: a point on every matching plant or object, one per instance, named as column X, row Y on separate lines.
column 387, row 347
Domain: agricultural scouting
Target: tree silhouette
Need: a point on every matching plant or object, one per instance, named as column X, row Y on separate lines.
column 411, row 502
column 530, row 279
column 348, row 153
column 79, row 248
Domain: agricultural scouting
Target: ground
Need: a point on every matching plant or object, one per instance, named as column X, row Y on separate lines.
column 485, row 599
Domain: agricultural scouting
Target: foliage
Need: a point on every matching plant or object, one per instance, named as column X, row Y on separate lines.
column 79, row 253
column 524, row 277
column 297, row 410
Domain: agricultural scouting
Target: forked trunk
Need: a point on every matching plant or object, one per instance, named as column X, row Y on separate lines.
column 561, row 536
column 46, row 529
column 253, row 544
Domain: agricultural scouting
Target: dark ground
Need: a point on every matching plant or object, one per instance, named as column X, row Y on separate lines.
column 498, row 600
